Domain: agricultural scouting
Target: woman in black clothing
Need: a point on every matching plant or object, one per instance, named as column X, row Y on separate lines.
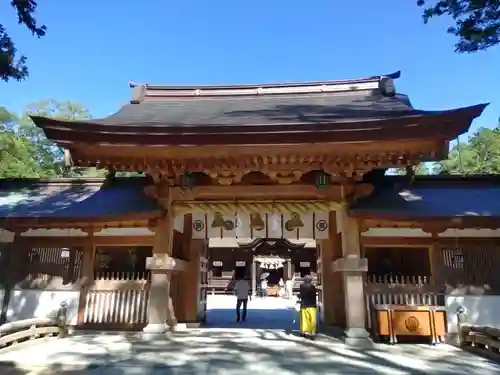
column 308, row 307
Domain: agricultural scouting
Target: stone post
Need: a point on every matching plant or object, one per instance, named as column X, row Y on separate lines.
column 160, row 304
column 353, row 268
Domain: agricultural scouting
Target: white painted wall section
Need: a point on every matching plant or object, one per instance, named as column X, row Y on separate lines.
column 481, row 310
column 2, row 294
column 6, row 236
column 54, row 233
column 73, row 232
column 109, row 232
column 25, row 304
column 415, row 232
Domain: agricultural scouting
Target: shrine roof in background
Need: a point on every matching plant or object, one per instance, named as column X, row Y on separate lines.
column 333, row 111
column 83, row 200
column 472, row 199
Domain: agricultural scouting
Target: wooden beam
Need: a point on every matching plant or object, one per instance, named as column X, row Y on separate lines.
column 81, row 150
column 269, row 192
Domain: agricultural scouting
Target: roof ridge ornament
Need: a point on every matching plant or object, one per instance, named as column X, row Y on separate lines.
column 386, row 86
column 304, row 87
column 138, row 92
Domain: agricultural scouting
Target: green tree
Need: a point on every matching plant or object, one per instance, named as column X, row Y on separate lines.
column 49, row 156
column 12, row 65
column 422, row 169
column 480, row 155
column 476, row 23
column 26, row 152
column 16, row 152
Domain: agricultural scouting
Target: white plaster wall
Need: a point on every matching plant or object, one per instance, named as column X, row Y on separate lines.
column 415, row 232
column 54, row 233
column 107, row 232
column 6, row 236
column 395, row 232
column 482, row 310
column 470, row 233
column 124, row 232
column 25, row 304
column 233, row 242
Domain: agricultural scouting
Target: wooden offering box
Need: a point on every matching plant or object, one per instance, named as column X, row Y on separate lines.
column 402, row 320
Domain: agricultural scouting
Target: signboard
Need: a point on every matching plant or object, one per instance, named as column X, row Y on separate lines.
column 240, row 263
column 305, row 264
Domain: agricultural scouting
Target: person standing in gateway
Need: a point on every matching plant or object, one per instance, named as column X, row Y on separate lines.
column 242, row 290
column 308, row 306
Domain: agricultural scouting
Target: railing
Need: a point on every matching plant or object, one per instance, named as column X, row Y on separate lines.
column 482, row 340
column 30, row 329
column 219, row 285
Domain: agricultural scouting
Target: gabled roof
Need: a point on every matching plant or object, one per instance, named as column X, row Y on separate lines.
column 434, row 198
column 308, row 112
column 64, row 199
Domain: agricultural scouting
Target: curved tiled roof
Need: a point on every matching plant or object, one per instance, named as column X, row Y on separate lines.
column 75, row 199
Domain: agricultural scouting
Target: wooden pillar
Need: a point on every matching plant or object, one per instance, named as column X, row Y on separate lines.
column 176, row 278
column 254, row 277
column 160, row 309
column 353, row 268
column 332, row 283
column 13, row 258
column 87, row 274
column 436, row 261
column 190, row 278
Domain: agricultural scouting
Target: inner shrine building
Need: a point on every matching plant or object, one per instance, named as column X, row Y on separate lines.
column 301, row 165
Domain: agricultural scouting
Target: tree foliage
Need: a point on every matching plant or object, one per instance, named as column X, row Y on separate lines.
column 12, row 65
column 480, row 155
column 26, row 152
column 16, row 153
column 476, row 23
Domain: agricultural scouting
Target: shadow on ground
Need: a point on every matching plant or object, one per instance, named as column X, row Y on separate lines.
column 265, row 344
column 225, row 351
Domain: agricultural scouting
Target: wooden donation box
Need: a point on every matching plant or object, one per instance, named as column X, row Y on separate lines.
column 402, row 320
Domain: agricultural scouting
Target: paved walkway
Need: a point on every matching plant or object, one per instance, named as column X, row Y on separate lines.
column 241, row 350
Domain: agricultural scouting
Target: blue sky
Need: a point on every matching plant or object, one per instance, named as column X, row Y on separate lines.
column 94, row 47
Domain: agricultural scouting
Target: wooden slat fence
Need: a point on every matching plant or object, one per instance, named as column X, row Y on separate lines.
column 56, row 268
column 117, row 300
column 116, row 308
column 469, row 265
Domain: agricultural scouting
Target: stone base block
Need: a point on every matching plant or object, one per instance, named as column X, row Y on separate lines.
column 154, row 331
column 365, row 342
column 357, row 337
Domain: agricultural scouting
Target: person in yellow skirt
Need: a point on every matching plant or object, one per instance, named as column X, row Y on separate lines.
column 308, row 307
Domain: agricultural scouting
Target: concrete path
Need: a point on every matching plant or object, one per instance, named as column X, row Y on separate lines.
column 241, row 350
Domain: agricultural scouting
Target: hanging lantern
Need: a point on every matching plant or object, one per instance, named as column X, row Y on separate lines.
column 322, row 180
column 218, row 220
column 294, row 223
column 256, row 221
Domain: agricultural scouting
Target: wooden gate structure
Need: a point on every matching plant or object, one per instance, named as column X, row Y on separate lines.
column 303, row 160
